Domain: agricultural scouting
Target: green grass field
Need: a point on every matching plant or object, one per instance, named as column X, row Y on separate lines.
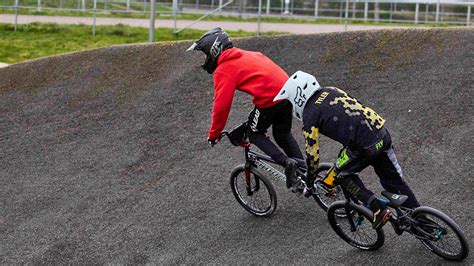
column 43, row 39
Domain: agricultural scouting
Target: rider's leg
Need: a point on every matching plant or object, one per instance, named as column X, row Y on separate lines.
column 259, row 121
column 391, row 177
column 282, row 121
column 355, row 187
column 268, row 147
column 349, row 163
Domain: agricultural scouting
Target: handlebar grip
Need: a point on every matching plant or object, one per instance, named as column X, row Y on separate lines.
column 224, row 133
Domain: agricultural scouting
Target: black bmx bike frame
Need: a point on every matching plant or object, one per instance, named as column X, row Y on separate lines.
column 259, row 160
column 401, row 222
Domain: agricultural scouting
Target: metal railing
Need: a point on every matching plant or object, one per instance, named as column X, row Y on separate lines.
column 199, row 19
column 407, row 11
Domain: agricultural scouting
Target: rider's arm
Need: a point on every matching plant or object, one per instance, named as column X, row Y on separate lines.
column 224, row 89
column 311, row 135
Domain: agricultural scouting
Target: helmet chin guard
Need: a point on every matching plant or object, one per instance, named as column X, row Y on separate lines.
column 298, row 89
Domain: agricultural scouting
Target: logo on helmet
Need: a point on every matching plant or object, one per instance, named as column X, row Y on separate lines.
column 216, row 48
column 300, row 98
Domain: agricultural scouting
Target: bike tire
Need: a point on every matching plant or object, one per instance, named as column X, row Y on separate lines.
column 364, row 236
column 321, row 195
column 431, row 219
column 263, row 200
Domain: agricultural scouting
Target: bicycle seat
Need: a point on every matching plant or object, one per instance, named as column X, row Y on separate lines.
column 395, row 199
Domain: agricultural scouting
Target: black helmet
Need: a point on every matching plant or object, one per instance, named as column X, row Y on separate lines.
column 212, row 43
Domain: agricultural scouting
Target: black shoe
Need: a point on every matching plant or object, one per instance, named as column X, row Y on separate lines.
column 381, row 216
column 290, row 172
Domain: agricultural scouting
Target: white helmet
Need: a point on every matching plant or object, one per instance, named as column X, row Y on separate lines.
column 297, row 89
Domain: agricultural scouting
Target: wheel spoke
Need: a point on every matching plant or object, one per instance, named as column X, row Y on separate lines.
column 445, row 244
column 260, row 201
column 445, row 241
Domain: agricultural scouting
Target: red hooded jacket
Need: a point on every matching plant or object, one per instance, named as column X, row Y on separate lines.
column 250, row 72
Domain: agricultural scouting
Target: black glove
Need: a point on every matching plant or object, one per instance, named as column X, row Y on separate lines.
column 212, row 141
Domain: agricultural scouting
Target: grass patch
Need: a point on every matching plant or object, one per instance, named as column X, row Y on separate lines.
column 42, row 39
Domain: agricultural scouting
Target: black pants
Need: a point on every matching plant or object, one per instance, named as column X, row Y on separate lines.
column 382, row 157
column 280, row 118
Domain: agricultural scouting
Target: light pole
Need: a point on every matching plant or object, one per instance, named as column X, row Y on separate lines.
column 287, row 7
column 316, row 8
column 468, row 19
column 366, row 11
column 95, row 17
column 152, row 21
column 347, row 15
column 437, row 12
column 259, row 15
column 175, row 10
column 16, row 15
column 417, row 11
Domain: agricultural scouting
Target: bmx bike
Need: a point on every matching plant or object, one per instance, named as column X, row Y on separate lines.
column 254, row 191
column 349, row 218
column 436, row 230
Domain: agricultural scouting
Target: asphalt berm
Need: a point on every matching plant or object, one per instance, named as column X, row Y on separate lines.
column 104, row 155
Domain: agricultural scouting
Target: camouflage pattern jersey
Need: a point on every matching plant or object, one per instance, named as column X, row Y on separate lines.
column 335, row 114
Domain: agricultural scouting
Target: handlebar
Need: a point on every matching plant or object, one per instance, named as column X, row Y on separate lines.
column 234, row 139
column 238, row 137
column 224, row 133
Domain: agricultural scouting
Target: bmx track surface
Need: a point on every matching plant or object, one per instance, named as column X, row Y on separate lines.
column 104, row 155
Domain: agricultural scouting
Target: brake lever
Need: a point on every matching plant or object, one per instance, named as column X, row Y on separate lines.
column 224, row 133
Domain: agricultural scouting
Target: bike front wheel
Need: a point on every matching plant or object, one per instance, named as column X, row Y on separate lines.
column 440, row 234
column 256, row 195
column 354, row 227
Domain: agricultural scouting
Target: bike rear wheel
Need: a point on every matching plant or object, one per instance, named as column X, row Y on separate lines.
column 326, row 196
column 440, row 234
column 355, row 227
column 259, row 198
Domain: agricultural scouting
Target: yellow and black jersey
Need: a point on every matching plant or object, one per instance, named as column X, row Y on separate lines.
column 335, row 114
